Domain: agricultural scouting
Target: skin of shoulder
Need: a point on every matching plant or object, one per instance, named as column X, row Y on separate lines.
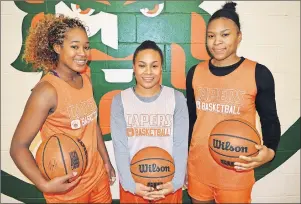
column 44, row 93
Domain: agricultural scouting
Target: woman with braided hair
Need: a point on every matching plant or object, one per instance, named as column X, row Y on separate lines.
column 61, row 103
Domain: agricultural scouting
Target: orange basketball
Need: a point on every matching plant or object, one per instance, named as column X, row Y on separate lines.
column 231, row 138
column 61, row 154
column 152, row 166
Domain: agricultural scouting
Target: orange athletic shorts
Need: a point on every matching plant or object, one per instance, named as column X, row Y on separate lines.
column 127, row 197
column 203, row 192
column 100, row 193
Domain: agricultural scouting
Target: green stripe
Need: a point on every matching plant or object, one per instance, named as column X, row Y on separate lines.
column 289, row 144
column 20, row 190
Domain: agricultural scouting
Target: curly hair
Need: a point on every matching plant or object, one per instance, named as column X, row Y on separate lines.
column 41, row 39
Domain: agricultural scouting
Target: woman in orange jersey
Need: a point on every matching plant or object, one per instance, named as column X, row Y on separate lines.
column 60, row 103
column 148, row 100
column 226, row 72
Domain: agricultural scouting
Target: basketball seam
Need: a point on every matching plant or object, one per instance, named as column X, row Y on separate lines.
column 43, row 158
column 245, row 124
column 235, row 136
column 232, row 156
column 153, row 176
column 151, row 159
column 80, row 153
column 62, row 154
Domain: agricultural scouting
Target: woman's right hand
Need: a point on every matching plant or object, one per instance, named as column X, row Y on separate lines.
column 145, row 192
column 60, row 184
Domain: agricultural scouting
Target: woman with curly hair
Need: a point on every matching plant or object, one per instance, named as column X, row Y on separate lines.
column 62, row 102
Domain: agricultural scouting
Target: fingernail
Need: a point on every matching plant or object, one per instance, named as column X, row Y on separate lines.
column 74, row 173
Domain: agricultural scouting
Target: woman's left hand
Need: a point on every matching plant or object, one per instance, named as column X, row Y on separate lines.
column 165, row 188
column 162, row 190
column 111, row 172
column 265, row 155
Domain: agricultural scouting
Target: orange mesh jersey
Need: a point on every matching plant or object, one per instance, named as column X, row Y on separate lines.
column 218, row 98
column 76, row 115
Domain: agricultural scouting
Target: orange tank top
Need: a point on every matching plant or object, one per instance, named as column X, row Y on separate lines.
column 75, row 114
column 218, row 98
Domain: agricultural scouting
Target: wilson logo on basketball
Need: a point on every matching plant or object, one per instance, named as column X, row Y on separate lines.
column 226, row 146
column 152, row 166
column 145, row 168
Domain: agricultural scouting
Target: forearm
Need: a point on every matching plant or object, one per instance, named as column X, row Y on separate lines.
column 180, row 143
column 271, row 134
column 25, row 162
column 180, row 160
column 102, row 147
column 122, row 158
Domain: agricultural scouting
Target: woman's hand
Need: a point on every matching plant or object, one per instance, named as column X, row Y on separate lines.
column 147, row 193
column 111, row 172
column 265, row 155
column 60, row 184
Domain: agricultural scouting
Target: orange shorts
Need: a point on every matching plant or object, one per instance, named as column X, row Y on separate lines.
column 100, row 193
column 127, row 197
column 203, row 192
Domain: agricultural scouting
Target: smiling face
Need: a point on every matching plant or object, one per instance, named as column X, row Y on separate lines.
column 75, row 51
column 148, row 69
column 223, row 38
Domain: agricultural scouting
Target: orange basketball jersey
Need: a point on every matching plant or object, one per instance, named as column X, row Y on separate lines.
column 76, row 115
column 218, row 98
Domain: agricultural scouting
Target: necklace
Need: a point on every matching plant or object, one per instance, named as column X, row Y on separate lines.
column 57, row 75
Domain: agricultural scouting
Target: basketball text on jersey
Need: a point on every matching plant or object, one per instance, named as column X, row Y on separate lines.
column 148, row 124
column 81, row 114
column 219, row 100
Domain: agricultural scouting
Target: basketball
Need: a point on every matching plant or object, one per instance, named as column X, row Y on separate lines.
column 231, row 138
column 61, row 154
column 152, row 166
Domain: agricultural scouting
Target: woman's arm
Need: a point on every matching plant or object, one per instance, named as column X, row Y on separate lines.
column 42, row 99
column 120, row 143
column 190, row 102
column 105, row 156
column 180, row 143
